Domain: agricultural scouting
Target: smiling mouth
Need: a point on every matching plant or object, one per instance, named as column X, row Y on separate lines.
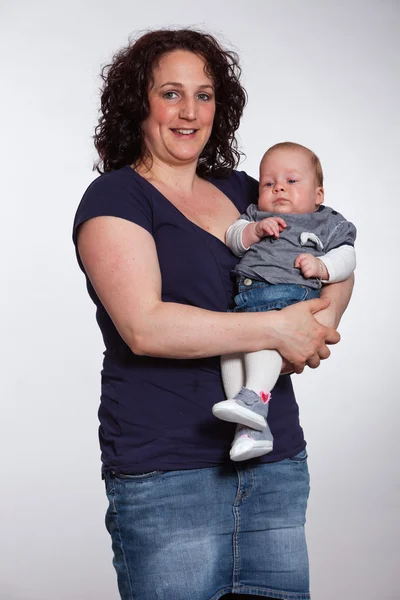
column 184, row 131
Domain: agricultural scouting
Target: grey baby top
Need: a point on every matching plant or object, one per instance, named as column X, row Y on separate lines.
column 271, row 260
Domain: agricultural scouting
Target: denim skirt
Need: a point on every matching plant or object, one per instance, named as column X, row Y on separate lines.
column 202, row 533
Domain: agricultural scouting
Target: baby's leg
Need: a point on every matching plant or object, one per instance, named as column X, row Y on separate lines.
column 250, row 406
column 233, row 409
column 232, row 370
column 262, row 370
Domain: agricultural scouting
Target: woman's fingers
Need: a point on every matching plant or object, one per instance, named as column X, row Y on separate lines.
column 324, row 352
column 333, row 336
column 298, row 367
column 314, row 361
column 317, row 304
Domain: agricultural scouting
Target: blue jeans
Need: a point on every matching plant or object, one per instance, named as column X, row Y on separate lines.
column 258, row 296
column 202, row 533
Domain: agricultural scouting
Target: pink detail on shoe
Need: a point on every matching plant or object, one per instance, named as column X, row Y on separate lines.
column 265, row 396
column 246, row 435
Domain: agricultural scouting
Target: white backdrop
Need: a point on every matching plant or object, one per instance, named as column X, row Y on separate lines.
column 323, row 74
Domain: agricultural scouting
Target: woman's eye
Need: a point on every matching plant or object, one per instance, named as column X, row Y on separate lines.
column 170, row 95
column 204, row 97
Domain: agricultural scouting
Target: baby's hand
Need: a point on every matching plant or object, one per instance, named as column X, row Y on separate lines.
column 270, row 226
column 311, row 266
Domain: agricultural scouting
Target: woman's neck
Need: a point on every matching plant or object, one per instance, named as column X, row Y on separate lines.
column 176, row 177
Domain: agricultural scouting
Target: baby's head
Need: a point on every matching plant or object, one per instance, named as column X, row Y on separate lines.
column 291, row 180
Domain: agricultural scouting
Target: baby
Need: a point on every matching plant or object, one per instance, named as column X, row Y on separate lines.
column 290, row 246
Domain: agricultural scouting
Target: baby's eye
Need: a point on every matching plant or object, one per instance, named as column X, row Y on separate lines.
column 268, row 184
column 170, row 95
column 291, row 180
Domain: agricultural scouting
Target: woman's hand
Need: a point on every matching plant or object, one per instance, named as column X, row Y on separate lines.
column 327, row 316
column 339, row 295
column 299, row 338
column 287, row 367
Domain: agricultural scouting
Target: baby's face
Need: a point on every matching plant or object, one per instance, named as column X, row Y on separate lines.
column 288, row 183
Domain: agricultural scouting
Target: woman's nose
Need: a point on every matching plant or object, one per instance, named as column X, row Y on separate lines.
column 188, row 110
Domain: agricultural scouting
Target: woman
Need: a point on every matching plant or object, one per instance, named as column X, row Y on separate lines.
column 185, row 522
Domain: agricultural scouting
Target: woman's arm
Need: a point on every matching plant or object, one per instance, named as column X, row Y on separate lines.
column 120, row 259
column 339, row 295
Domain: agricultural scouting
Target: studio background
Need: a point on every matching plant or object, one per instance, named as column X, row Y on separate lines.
column 323, row 74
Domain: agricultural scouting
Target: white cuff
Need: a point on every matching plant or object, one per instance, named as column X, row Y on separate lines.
column 340, row 263
column 234, row 237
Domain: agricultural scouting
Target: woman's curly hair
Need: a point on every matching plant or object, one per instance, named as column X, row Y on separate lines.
column 124, row 100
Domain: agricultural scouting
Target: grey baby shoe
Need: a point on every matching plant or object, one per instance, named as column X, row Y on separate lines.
column 247, row 408
column 249, row 443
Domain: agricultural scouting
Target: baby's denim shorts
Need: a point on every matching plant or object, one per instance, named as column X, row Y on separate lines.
column 258, row 296
column 199, row 534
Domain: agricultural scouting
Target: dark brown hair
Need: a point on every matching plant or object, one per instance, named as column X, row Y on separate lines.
column 316, row 163
column 124, row 100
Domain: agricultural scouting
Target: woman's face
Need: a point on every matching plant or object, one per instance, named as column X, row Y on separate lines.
column 182, row 108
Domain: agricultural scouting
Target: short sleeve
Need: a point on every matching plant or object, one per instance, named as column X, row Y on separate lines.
column 250, row 214
column 252, row 186
column 239, row 187
column 344, row 233
column 115, row 194
column 249, row 190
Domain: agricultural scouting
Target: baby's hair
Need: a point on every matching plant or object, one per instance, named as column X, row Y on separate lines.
column 313, row 157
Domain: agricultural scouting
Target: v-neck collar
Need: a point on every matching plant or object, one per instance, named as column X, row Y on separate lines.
column 211, row 180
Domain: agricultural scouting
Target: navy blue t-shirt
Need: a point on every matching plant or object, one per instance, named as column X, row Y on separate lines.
column 155, row 413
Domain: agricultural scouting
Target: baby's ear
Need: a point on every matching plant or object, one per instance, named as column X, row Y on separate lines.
column 319, row 196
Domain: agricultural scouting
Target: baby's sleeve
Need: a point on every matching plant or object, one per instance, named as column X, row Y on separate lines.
column 340, row 263
column 234, row 237
column 342, row 233
column 250, row 214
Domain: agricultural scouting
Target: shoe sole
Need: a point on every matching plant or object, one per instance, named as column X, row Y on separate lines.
column 229, row 410
column 257, row 449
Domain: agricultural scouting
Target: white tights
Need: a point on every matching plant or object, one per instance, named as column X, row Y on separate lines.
column 254, row 370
